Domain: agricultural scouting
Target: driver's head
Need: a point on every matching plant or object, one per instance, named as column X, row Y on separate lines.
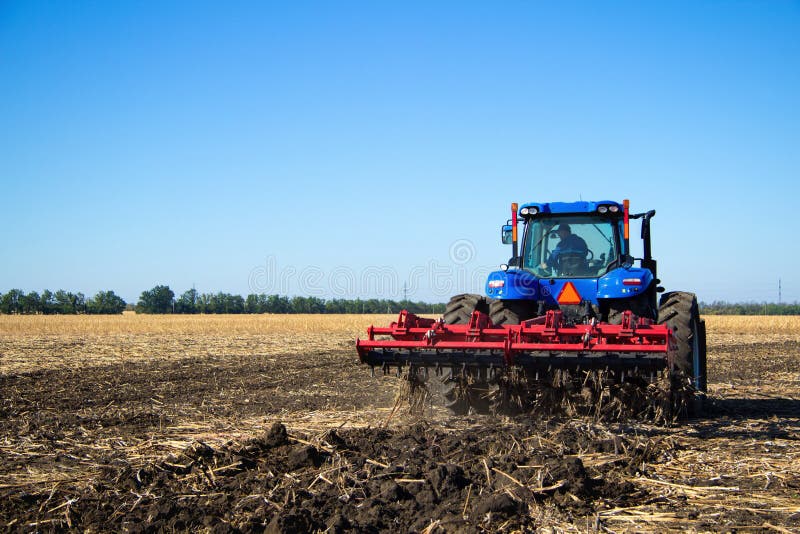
column 563, row 231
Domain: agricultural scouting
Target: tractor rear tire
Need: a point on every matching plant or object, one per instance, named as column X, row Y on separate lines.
column 464, row 395
column 455, row 399
column 460, row 308
column 638, row 305
column 679, row 311
column 703, row 378
column 461, row 394
column 510, row 311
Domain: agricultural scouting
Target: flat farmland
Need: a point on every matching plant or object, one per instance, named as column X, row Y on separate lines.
column 246, row 423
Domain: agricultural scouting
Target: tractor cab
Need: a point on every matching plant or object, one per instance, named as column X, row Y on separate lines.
column 574, row 253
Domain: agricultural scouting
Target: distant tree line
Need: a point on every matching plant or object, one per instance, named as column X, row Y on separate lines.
column 61, row 302
column 161, row 299
column 749, row 308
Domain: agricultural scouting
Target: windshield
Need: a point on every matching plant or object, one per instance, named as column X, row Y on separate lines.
column 570, row 246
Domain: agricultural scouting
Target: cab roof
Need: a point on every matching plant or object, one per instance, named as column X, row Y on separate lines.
column 570, row 207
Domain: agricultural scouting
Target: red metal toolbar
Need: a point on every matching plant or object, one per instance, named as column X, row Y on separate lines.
column 549, row 334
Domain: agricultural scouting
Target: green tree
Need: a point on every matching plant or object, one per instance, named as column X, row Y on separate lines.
column 30, row 303
column 234, row 304
column 187, row 303
column 69, row 303
column 105, row 302
column 749, row 308
column 156, row 300
column 47, row 302
column 336, row 306
column 278, row 304
column 216, row 303
column 307, row 305
column 203, row 303
column 252, row 303
column 10, row 301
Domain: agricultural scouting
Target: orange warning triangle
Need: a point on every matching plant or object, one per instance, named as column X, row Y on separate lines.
column 569, row 295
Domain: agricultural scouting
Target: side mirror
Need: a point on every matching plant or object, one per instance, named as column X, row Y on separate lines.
column 507, row 234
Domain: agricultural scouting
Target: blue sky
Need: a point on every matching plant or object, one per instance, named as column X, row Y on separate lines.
column 348, row 148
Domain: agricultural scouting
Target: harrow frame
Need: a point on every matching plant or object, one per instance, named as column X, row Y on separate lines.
column 543, row 343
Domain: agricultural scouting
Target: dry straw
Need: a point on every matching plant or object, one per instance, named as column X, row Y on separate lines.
column 132, row 323
column 743, row 460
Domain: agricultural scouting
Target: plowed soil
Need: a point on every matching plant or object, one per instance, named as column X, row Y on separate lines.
column 205, row 432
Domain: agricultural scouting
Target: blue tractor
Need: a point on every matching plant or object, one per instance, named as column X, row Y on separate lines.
column 572, row 308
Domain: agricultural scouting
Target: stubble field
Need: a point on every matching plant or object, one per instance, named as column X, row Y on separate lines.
column 246, row 423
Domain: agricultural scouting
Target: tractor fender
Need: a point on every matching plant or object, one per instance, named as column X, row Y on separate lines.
column 516, row 284
column 624, row 282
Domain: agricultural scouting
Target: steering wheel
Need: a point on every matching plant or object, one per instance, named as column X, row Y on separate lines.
column 588, row 256
column 572, row 263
